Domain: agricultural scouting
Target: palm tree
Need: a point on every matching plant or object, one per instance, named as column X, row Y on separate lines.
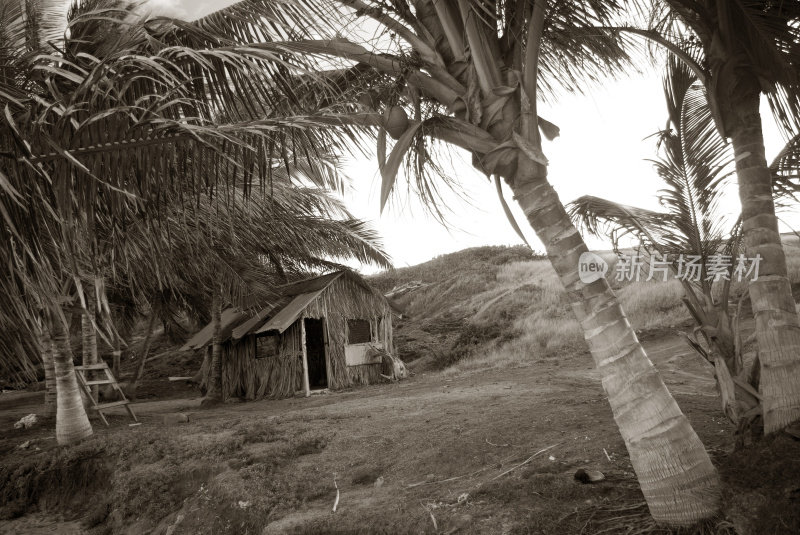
column 72, row 424
column 739, row 50
column 102, row 122
column 695, row 163
column 50, row 393
column 469, row 73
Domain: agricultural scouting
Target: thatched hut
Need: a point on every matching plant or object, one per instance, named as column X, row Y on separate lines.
column 331, row 331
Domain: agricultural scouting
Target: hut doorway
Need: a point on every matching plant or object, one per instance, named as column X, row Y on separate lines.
column 315, row 353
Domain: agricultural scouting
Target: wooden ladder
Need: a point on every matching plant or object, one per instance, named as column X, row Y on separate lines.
column 109, row 380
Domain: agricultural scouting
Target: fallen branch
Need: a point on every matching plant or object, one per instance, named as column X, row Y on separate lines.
column 336, row 501
column 161, row 355
column 433, row 519
column 470, row 474
column 526, row 461
column 497, row 445
column 607, row 455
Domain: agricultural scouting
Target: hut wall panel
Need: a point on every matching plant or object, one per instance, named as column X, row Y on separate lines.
column 273, row 377
column 341, row 301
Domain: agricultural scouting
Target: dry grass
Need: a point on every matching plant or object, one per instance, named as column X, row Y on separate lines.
column 653, row 305
column 530, row 301
column 492, row 308
column 793, row 264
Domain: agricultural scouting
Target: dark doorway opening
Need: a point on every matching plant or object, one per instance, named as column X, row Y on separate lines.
column 315, row 353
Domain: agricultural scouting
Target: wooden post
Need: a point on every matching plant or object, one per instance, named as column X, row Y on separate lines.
column 306, row 386
column 115, row 361
column 89, row 340
column 389, row 326
column 326, row 345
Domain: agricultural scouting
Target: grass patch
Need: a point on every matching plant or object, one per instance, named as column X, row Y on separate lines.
column 52, row 479
column 146, row 476
column 272, row 483
column 476, row 260
column 653, row 305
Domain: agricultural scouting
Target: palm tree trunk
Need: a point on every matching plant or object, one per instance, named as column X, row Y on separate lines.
column 677, row 478
column 46, row 347
column 201, row 377
column 214, row 393
column 148, row 341
column 89, row 338
column 72, row 424
column 777, row 325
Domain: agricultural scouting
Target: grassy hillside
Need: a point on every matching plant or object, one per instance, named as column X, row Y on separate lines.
column 488, row 307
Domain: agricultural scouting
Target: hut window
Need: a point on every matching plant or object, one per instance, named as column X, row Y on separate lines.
column 266, row 346
column 358, row 332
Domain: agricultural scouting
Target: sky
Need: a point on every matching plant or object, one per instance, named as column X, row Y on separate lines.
column 602, row 151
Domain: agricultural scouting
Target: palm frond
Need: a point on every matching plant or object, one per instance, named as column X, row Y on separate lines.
column 128, row 119
column 602, row 217
column 694, row 159
column 785, row 168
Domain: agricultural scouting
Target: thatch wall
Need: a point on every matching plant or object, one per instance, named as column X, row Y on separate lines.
column 248, row 377
column 344, row 300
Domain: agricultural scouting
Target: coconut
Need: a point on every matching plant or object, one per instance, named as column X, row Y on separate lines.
column 395, row 120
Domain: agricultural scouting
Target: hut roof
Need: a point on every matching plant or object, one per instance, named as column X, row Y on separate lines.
column 284, row 318
column 228, row 320
column 278, row 316
column 309, row 285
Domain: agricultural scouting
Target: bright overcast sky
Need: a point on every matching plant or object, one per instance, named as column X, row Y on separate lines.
column 601, row 151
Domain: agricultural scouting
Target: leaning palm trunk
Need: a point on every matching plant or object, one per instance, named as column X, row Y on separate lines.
column 89, row 339
column 46, row 348
column 72, row 424
column 675, row 473
column 777, row 326
column 214, row 393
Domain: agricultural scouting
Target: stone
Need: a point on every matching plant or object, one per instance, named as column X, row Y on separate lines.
column 26, row 422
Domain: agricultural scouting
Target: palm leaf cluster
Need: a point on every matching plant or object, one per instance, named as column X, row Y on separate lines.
column 126, row 139
column 242, row 250
column 429, row 70
column 694, row 162
column 722, row 40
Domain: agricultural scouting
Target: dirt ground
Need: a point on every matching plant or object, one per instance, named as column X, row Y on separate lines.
column 485, row 452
